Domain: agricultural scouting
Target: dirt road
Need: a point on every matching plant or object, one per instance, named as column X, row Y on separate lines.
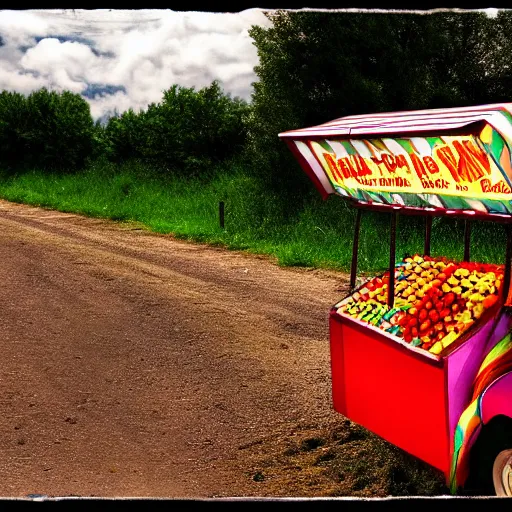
column 135, row 365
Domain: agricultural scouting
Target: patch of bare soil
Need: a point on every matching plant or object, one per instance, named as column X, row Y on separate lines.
column 137, row 365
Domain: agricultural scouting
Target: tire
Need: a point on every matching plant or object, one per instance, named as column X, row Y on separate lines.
column 489, row 457
column 502, row 473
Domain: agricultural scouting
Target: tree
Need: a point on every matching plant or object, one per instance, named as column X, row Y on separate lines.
column 13, row 130
column 318, row 66
column 187, row 133
column 59, row 133
column 124, row 136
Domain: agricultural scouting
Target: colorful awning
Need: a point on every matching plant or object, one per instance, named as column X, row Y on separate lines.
column 444, row 160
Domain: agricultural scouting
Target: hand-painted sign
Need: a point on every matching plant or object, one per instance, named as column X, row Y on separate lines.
column 451, row 167
column 456, row 170
column 434, row 165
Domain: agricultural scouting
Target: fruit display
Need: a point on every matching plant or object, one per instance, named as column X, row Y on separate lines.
column 435, row 300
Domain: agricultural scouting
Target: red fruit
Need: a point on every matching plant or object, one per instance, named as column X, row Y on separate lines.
column 435, row 293
column 455, row 307
column 441, row 276
column 403, row 320
column 425, row 325
column 449, row 298
column 439, row 305
column 433, row 315
column 435, row 283
column 489, row 301
column 428, row 304
column 439, row 326
column 407, row 337
column 445, row 312
column 412, row 321
column 370, row 285
column 423, row 314
column 414, row 331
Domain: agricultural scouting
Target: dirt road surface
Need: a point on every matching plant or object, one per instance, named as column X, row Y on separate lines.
column 136, row 365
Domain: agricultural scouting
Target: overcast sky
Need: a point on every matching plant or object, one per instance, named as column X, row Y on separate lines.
column 120, row 59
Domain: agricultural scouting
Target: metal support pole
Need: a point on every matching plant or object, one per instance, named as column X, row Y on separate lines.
column 467, row 238
column 392, row 250
column 428, row 231
column 355, row 247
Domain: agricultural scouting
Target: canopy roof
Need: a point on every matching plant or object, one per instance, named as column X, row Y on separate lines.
column 387, row 123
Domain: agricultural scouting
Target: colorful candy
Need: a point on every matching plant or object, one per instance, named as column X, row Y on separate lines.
column 435, row 300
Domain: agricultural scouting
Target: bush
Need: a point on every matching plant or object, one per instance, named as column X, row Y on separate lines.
column 13, row 131
column 60, row 130
column 188, row 133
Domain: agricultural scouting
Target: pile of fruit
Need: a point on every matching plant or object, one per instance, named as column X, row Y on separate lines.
column 435, row 300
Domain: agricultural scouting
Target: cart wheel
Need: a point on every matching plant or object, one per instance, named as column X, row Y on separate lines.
column 502, row 473
column 490, row 460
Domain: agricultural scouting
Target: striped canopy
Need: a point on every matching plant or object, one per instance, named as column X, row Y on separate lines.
column 407, row 121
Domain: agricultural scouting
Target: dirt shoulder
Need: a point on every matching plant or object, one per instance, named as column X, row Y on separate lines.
column 136, row 365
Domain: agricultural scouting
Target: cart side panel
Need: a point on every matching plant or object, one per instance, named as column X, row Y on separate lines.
column 337, row 365
column 463, row 365
column 383, row 387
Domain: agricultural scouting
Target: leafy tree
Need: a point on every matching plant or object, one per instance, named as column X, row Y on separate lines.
column 100, row 144
column 318, row 66
column 192, row 131
column 60, row 130
column 13, row 130
column 188, row 133
column 125, row 136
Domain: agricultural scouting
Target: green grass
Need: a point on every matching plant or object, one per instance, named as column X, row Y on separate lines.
column 319, row 236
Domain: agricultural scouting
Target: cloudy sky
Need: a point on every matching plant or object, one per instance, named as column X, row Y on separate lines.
column 120, row 59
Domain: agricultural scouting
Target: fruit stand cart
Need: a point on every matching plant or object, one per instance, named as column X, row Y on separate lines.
column 422, row 354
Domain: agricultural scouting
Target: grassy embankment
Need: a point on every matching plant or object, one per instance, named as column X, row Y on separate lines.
column 321, row 236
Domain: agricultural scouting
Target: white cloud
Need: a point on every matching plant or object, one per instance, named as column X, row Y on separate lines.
column 19, row 26
column 67, row 65
column 136, row 53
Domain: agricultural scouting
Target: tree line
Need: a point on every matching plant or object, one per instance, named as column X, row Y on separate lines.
column 313, row 67
column 187, row 133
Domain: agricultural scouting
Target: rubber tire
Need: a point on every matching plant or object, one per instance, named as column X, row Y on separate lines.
column 495, row 437
column 503, row 464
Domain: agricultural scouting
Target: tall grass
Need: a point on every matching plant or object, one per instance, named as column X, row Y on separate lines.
column 320, row 235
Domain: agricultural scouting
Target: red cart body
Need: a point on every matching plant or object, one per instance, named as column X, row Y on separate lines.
column 407, row 398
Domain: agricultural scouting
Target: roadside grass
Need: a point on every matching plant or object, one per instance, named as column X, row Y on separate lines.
column 320, row 236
